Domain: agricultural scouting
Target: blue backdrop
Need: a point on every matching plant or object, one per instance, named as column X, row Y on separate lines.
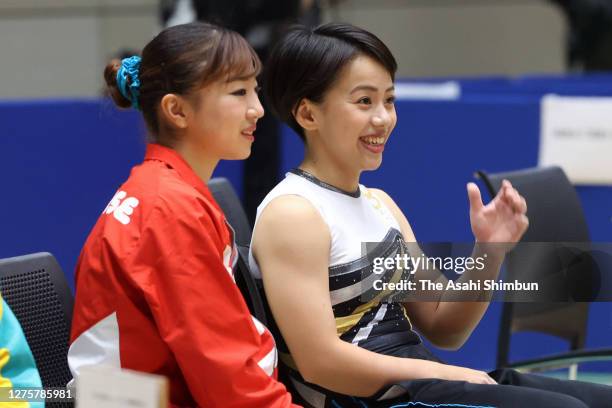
column 62, row 161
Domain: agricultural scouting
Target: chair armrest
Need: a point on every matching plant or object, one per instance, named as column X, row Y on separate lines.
column 562, row 360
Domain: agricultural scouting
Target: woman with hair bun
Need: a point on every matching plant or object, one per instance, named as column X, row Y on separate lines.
column 155, row 289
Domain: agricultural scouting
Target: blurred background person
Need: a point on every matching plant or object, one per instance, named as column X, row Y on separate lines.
column 589, row 37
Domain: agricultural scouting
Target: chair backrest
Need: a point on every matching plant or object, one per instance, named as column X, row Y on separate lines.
column 227, row 198
column 36, row 290
column 229, row 202
column 251, row 289
column 555, row 216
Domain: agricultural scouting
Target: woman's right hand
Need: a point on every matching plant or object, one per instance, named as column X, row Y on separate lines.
column 455, row 373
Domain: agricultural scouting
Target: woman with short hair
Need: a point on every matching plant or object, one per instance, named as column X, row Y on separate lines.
column 344, row 345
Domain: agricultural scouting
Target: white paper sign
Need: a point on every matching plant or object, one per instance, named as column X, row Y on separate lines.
column 576, row 134
column 450, row 90
column 103, row 387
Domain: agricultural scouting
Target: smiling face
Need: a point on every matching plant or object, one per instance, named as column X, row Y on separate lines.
column 224, row 117
column 353, row 122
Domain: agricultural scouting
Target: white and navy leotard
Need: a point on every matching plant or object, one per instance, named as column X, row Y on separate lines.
column 361, row 228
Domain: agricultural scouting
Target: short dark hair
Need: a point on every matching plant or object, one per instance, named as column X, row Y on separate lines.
column 306, row 63
column 181, row 60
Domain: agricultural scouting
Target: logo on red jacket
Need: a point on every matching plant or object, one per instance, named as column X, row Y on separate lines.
column 121, row 207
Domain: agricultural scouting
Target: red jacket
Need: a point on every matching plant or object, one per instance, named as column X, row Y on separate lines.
column 155, row 292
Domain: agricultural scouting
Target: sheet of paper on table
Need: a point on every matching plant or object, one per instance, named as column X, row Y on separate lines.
column 103, row 387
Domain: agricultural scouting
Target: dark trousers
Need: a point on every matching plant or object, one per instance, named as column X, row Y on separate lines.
column 514, row 390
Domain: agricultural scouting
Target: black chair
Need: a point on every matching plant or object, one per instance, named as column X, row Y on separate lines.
column 555, row 216
column 36, row 290
column 226, row 197
column 251, row 289
column 228, row 200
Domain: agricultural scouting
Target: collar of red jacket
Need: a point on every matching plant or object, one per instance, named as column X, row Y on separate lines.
column 174, row 160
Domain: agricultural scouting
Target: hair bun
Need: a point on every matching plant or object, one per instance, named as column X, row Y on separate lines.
column 110, row 76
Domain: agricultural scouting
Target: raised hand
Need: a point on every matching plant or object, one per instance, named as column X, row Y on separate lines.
column 503, row 219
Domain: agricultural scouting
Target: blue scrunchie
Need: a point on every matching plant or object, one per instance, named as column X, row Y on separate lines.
column 129, row 66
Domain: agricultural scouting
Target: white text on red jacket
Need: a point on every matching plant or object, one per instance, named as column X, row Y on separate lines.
column 121, row 207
